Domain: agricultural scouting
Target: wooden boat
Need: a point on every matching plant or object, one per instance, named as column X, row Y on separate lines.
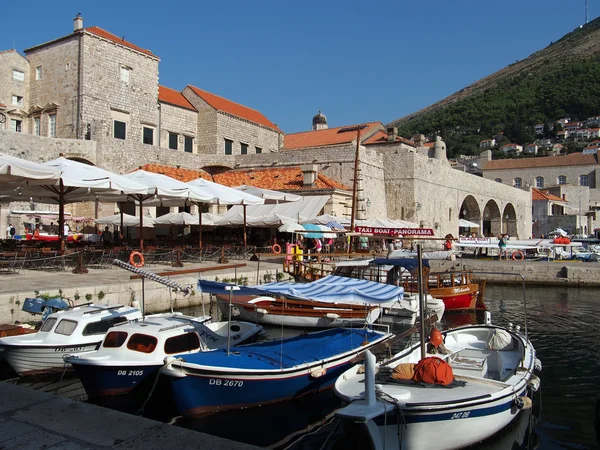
column 297, row 313
column 132, row 353
column 77, row 330
column 266, row 372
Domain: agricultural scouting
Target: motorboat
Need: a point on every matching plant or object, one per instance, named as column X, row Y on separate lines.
column 325, row 301
column 265, row 372
column 298, row 313
column 489, row 378
column 132, row 353
column 457, row 291
column 77, row 330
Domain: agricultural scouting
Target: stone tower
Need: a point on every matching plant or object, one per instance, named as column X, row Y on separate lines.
column 319, row 122
column 439, row 150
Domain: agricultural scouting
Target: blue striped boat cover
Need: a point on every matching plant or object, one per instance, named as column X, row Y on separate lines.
column 336, row 289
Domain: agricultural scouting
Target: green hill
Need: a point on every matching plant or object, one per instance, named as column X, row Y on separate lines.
column 559, row 81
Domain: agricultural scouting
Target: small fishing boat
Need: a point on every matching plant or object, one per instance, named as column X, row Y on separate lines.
column 266, row 372
column 482, row 377
column 77, row 330
column 133, row 352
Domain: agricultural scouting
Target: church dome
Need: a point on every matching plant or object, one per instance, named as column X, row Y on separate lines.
column 319, row 121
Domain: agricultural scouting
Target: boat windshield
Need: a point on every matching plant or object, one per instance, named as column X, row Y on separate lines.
column 48, row 324
column 181, row 344
column 102, row 326
column 142, row 343
column 66, row 327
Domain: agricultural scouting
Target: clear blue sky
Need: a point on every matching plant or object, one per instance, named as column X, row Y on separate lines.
column 355, row 61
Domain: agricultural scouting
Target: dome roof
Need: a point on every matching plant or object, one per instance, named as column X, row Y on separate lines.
column 319, row 119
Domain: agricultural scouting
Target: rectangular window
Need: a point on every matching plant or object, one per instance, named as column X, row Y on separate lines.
column 173, row 140
column 228, row 147
column 148, row 136
column 16, row 125
column 258, row 150
column 188, row 144
column 244, row 150
column 120, row 128
column 36, row 126
column 38, row 73
column 17, row 100
column 18, row 75
column 52, row 125
column 125, row 71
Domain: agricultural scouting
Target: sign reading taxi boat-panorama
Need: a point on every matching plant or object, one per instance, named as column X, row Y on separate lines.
column 395, row 231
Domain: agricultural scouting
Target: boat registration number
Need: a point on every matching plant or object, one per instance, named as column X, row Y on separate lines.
column 460, row 415
column 69, row 349
column 227, row 383
column 130, row 373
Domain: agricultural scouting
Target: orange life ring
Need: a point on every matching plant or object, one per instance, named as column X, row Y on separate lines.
column 276, row 248
column 520, row 255
column 139, row 262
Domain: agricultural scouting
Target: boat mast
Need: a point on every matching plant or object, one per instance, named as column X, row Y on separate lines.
column 354, row 187
column 421, row 299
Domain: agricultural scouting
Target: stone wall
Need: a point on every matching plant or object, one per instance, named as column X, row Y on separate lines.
column 9, row 61
column 181, row 121
column 550, row 175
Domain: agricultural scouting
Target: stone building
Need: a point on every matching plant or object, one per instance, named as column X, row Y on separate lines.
column 95, row 97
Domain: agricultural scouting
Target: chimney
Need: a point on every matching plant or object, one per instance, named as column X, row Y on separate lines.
column 309, row 171
column 419, row 140
column 392, row 132
column 78, row 23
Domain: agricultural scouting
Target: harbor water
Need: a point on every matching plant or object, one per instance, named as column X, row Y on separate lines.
column 562, row 324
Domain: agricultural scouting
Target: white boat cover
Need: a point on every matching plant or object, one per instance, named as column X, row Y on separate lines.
column 335, row 289
column 269, row 195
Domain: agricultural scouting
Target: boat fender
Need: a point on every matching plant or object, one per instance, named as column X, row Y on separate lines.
column 523, row 402
column 262, row 311
column 332, row 316
column 537, row 365
column 318, row 373
column 534, row 383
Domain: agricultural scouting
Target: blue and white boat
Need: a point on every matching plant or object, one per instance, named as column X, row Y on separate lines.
column 266, row 372
column 132, row 353
column 493, row 370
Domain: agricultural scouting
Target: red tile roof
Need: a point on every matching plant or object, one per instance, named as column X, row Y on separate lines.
column 536, row 194
column 172, row 97
column 381, row 137
column 278, row 179
column 235, row 109
column 2, row 105
column 7, row 51
column 180, row 174
column 329, row 136
column 574, row 159
column 428, row 144
column 111, row 37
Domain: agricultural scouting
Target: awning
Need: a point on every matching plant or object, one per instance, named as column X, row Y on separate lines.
column 467, row 224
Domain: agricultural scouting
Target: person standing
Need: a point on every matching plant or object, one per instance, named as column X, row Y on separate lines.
column 66, row 230
column 502, row 246
column 10, row 231
column 36, row 231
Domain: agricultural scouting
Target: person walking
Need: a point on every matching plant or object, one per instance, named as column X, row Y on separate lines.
column 502, row 246
column 10, row 231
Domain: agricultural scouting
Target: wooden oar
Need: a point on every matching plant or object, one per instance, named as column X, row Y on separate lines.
column 379, row 348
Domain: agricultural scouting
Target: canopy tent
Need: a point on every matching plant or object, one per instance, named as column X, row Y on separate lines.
column 463, row 223
column 13, row 169
column 268, row 195
column 78, row 182
column 271, row 215
column 291, row 227
column 224, row 195
column 126, row 220
column 315, row 231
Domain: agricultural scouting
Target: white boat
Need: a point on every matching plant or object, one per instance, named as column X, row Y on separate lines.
column 77, row 330
column 493, row 370
column 133, row 352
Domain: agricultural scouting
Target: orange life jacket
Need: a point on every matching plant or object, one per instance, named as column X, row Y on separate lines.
column 433, row 370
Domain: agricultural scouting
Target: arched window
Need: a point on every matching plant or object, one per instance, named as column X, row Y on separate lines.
column 562, row 179
column 539, row 182
column 517, row 182
column 498, row 180
column 583, row 180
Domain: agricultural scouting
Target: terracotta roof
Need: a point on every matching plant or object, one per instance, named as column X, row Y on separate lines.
column 536, row 194
column 8, row 51
column 381, row 137
column 180, row 174
column 2, row 105
column 111, row 37
column 277, row 179
column 172, row 97
column 329, row 136
column 235, row 109
column 429, row 144
column 574, row 159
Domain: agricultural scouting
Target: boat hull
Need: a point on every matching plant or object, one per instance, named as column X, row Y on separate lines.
column 114, row 379
column 458, row 298
column 31, row 360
